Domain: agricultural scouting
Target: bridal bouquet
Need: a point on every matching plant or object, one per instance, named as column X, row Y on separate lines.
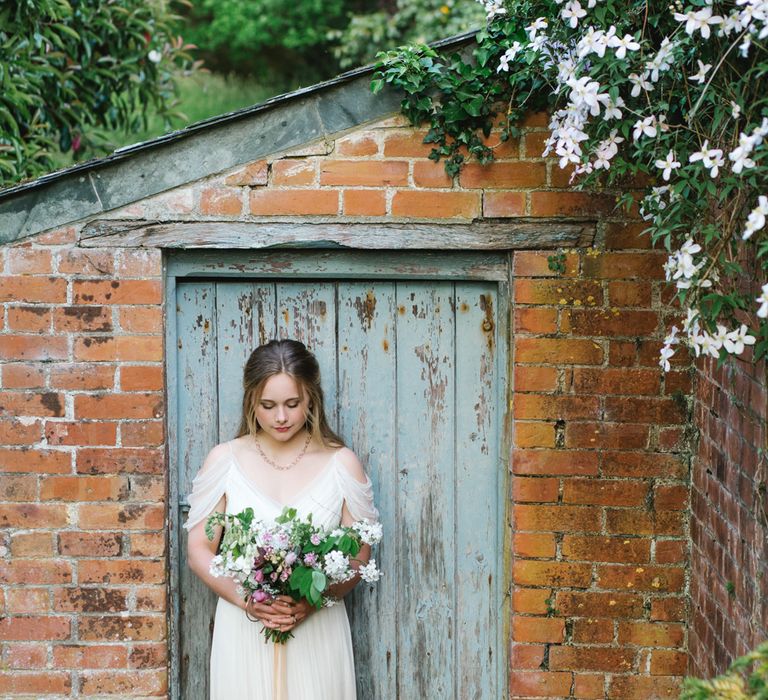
column 289, row 557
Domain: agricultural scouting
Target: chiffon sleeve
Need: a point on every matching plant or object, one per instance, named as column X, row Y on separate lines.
column 358, row 495
column 208, row 487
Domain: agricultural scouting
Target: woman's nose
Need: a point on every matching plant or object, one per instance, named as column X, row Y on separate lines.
column 280, row 414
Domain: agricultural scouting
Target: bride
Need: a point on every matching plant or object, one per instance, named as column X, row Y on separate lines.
column 285, row 454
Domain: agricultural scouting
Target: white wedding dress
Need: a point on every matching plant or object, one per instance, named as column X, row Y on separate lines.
column 318, row 658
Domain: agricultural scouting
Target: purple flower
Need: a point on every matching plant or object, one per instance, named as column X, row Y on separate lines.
column 290, row 558
column 285, row 574
column 315, row 539
column 310, row 559
column 260, row 596
column 273, row 576
column 258, row 575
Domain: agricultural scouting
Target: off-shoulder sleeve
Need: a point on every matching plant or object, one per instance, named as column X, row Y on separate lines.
column 357, row 494
column 208, row 487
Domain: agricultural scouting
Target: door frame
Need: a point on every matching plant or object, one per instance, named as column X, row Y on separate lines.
column 334, row 264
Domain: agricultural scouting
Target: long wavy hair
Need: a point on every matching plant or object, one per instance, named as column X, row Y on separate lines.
column 289, row 357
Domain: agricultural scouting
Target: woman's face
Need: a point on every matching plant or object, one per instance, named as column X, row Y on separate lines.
column 283, row 407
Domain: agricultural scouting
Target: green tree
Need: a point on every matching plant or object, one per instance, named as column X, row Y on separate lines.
column 70, row 69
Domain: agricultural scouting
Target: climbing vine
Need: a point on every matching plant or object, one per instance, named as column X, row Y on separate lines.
column 639, row 91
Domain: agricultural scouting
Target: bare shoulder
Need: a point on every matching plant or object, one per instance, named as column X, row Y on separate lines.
column 216, row 455
column 351, row 463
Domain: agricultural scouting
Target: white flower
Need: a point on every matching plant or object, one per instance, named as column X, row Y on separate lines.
column 735, row 110
column 762, row 312
column 533, row 28
column 740, row 154
column 736, row 340
column 584, row 93
column 155, row 56
column 672, row 338
column 509, row 55
column 662, row 61
column 369, row 573
column 700, row 76
column 707, row 344
column 594, row 41
column 699, row 19
column 628, row 43
column 756, row 218
column 493, row 8
column 664, row 354
column 644, row 127
column 572, row 13
column 613, row 109
column 639, row 83
column 711, row 158
column 336, row 566
column 370, row 532
column 668, row 165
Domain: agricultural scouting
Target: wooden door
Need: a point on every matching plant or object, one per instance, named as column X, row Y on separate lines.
column 414, row 374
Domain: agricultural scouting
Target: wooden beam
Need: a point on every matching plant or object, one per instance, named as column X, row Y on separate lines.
column 479, row 235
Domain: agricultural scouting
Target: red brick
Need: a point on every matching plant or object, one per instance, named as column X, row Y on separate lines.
column 31, row 627
column 623, row 381
column 90, row 544
column 366, row 173
column 357, row 145
column 114, row 628
column 554, row 462
column 90, row 656
column 365, row 203
column 26, row 656
column 595, row 604
column 644, row 266
column 668, row 663
column 535, row 378
column 571, row 204
column 148, row 544
column 591, row 630
column 221, row 201
column 534, row 489
column 140, row 262
column 644, row 410
column 503, row 204
column 558, row 351
column 606, row 435
column 153, row 682
column 29, row 261
column 13, row 432
column 588, row 686
column 558, row 292
column 252, row 175
column 427, row 173
column 120, row 461
column 60, row 236
column 78, row 319
column 116, row 571
column 538, row 321
column 642, row 464
column 27, row 600
column 528, row 572
column 142, row 433
column 50, row 290
column 637, row 522
column 18, row 488
column 670, row 552
column 294, row 171
column 670, row 609
column 527, row 656
column 35, row 461
column 608, row 549
column 294, row 202
column 531, row 600
column 121, row 348
column 539, row 546
column 622, row 235
column 86, row 262
column 534, row 434
column 33, row 347
column 151, row 599
column 423, row 204
column 33, row 515
column 23, row 376
column 500, row 175
column 30, row 319
column 86, row 599
column 502, row 150
column 562, row 177
column 83, row 488
column 607, row 322
column 538, row 629
column 38, row 543
column 535, row 143
column 624, row 293
column 141, row 319
column 125, row 517
column 406, row 144
column 535, row 264
column 549, row 407
column 539, row 684
column 144, row 291
column 651, row 634
column 84, row 433
column 557, row 518
column 605, row 492
column 82, row 376
column 45, row 682
column 640, row 578
column 673, row 497
column 116, row 405
column 591, row 659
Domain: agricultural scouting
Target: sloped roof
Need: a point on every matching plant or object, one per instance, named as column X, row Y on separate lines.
column 208, row 147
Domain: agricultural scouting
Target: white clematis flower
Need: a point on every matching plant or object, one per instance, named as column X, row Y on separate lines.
column 667, row 165
column 700, row 76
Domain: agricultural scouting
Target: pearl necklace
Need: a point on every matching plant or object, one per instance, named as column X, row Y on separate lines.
column 281, row 467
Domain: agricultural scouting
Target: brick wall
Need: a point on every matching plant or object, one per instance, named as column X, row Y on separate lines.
column 729, row 536
column 599, row 469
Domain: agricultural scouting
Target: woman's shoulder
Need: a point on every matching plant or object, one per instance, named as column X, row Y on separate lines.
column 217, row 457
column 350, row 462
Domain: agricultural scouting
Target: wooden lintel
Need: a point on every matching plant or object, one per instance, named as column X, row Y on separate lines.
column 481, row 235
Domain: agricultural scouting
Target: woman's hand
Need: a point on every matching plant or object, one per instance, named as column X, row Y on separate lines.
column 282, row 614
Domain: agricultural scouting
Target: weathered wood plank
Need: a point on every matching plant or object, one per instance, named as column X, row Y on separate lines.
column 425, row 535
column 367, row 399
column 198, row 431
column 336, row 265
column 477, row 483
column 480, row 235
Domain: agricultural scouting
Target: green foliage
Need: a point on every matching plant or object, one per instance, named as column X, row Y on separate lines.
column 69, row 69
column 746, row 679
column 699, row 87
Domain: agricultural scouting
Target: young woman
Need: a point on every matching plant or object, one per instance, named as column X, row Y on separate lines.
column 285, row 454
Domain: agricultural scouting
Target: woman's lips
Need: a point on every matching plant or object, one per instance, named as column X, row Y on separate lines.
column 283, row 430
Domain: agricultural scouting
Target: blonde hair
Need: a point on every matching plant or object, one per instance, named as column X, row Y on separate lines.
column 289, row 357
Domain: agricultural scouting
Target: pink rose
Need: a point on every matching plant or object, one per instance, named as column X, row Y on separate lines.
column 260, row 596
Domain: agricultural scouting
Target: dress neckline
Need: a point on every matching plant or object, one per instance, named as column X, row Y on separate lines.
column 295, row 499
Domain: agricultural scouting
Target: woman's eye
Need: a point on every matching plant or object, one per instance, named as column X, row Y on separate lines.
column 292, row 405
